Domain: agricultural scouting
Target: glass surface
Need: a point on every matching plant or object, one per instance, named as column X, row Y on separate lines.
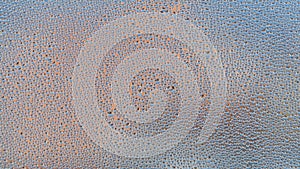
column 149, row 84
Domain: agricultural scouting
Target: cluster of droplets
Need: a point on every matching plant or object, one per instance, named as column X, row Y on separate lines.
column 140, row 85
